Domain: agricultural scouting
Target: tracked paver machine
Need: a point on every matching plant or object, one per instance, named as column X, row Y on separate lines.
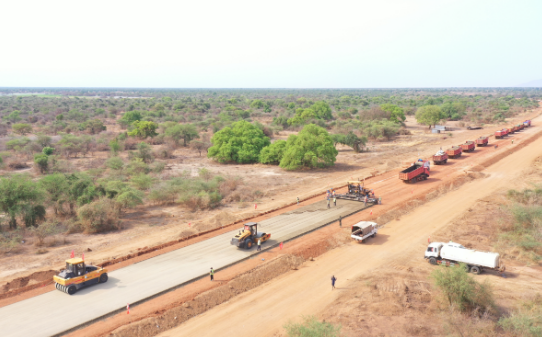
column 357, row 192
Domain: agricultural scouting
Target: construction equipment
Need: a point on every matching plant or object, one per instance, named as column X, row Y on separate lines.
column 454, row 152
column 357, row 192
column 527, row 123
column 364, row 230
column 77, row 275
column 468, row 146
column 501, row 133
column 440, row 158
column 417, row 172
column 249, row 236
column 482, row 141
column 452, row 253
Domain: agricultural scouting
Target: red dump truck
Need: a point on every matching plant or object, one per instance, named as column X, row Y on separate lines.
column 417, row 172
column 482, row 141
column 468, row 146
column 454, row 152
column 513, row 129
column 527, row 123
column 520, row 126
column 501, row 133
column 440, row 158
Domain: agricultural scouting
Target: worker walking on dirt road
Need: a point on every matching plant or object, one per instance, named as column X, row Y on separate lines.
column 335, row 201
column 298, row 200
column 333, row 280
column 340, row 221
column 259, row 245
column 212, row 273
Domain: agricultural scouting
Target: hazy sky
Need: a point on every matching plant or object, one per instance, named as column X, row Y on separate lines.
column 270, row 44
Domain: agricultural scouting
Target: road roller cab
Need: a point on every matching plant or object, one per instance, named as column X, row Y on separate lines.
column 78, row 275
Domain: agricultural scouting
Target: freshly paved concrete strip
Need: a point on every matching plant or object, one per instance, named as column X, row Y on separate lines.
column 56, row 312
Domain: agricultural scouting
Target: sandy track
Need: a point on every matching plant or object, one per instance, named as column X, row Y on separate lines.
column 307, row 291
column 55, row 312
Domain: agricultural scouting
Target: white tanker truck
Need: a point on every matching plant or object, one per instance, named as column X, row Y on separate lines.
column 452, row 253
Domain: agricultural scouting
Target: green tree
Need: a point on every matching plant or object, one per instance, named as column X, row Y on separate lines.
column 257, row 104
column 311, row 327
column 42, row 162
column 273, row 153
column 241, row 143
column 56, row 187
column 129, row 118
column 143, row 129
column 322, row 110
column 312, row 147
column 186, row 132
column 48, row 150
column 397, row 114
column 429, row 115
column 302, row 116
column 17, row 193
column 94, row 126
column 14, row 116
column 350, row 139
column 22, row 128
column 453, row 110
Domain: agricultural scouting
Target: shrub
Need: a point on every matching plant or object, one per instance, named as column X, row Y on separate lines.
column 48, row 150
column 462, row 290
column 273, row 153
column 311, row 327
column 143, row 129
column 99, row 216
column 22, row 128
column 114, row 163
column 142, row 181
column 526, row 321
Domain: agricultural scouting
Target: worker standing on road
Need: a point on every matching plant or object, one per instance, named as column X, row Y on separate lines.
column 365, row 201
column 333, row 280
column 212, row 273
column 380, row 201
column 259, row 245
column 298, row 200
column 327, row 202
column 512, row 141
column 340, row 221
column 335, row 201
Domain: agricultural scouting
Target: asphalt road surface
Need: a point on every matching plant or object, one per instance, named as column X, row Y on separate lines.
column 56, row 312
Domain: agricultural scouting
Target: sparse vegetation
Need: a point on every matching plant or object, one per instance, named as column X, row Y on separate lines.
column 312, row 327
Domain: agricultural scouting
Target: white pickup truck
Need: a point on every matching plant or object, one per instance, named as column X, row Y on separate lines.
column 363, row 230
column 452, row 253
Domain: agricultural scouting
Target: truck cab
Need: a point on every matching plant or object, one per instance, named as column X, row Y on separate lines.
column 433, row 250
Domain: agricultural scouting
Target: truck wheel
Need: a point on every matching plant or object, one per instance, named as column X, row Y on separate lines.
column 103, row 278
column 433, row 261
column 248, row 244
column 445, row 160
column 475, row 270
column 373, row 235
column 71, row 290
column 413, row 180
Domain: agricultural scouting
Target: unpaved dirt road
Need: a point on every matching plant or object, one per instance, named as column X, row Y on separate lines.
column 55, row 312
column 264, row 310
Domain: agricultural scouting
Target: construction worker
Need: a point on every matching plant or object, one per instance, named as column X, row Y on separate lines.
column 365, row 201
column 340, row 221
column 328, row 203
column 298, row 200
column 334, row 201
column 212, row 273
column 333, row 280
column 259, row 245
column 380, row 201
column 512, row 141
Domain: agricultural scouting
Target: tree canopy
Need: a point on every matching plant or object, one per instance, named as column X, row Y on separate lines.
column 312, row 147
column 429, row 115
column 241, row 143
column 273, row 153
column 143, row 129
